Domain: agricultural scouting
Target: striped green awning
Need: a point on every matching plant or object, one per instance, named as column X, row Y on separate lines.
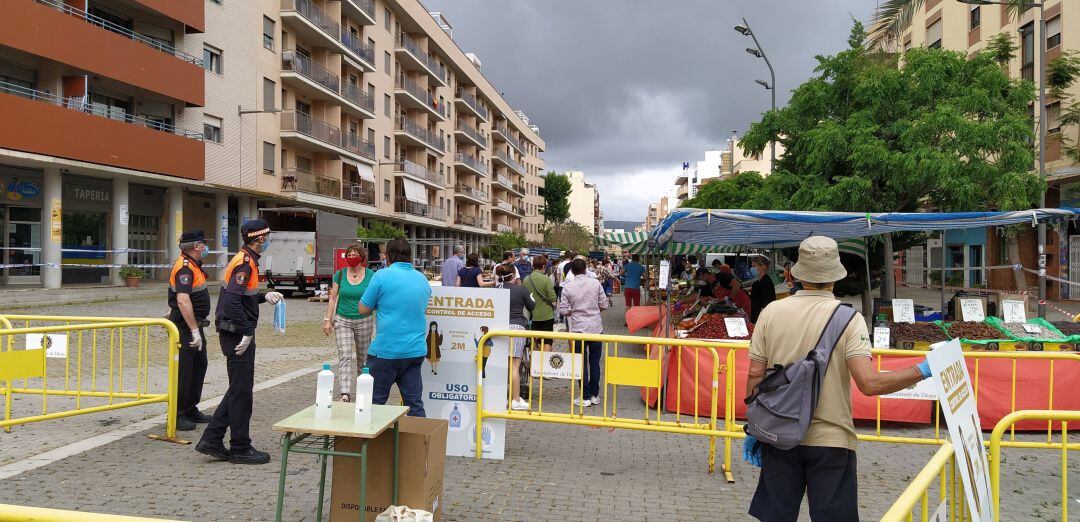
column 637, row 243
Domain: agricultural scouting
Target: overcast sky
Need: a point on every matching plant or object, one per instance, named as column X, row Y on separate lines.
column 626, row 90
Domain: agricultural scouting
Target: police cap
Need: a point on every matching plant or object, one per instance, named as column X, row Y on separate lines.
column 193, row 236
column 254, row 229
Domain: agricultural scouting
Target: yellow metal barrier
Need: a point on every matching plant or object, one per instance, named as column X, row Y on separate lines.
column 87, row 377
column 633, row 371
column 12, row 513
column 950, row 490
column 996, row 443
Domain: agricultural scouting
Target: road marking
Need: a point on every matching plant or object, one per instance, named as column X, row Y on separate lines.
column 75, row 448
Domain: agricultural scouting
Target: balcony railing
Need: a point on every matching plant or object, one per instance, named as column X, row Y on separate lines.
column 405, row 41
column 301, row 180
column 313, row 14
column 358, row 145
column 291, row 61
column 502, row 205
column 165, row 47
column 363, row 193
column 506, row 159
column 472, row 102
column 520, row 210
column 499, row 227
column 413, row 208
column 472, row 133
column 358, row 47
column 471, row 162
column 362, row 98
column 473, row 192
column 415, row 89
column 367, row 6
column 469, row 221
column 417, row 131
column 79, row 103
column 416, row 170
column 504, row 181
column 514, row 142
column 292, row 121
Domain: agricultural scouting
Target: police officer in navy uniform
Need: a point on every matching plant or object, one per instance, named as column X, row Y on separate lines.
column 237, row 316
column 189, row 304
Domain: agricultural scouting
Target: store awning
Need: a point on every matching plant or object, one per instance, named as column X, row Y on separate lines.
column 638, row 243
column 414, row 191
column 364, row 170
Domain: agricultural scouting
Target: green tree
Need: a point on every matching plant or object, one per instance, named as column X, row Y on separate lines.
column 379, row 230
column 1002, row 48
column 556, row 194
column 1061, row 74
column 739, row 191
column 503, row 242
column 943, row 132
column 569, row 236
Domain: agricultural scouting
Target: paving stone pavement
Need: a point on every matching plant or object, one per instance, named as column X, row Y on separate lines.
column 551, row 472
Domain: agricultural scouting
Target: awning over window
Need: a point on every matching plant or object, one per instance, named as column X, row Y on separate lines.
column 362, row 169
column 414, row 191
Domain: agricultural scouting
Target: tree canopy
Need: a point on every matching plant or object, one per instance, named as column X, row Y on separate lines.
column 556, row 194
column 739, row 191
column 569, row 236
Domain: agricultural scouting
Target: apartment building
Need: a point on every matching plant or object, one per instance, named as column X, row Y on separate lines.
column 659, row 211
column 96, row 169
column 949, row 24
column 585, row 202
column 366, row 108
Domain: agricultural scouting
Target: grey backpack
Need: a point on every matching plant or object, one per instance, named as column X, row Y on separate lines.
column 779, row 412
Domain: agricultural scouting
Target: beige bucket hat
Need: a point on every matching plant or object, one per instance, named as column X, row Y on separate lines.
column 819, row 261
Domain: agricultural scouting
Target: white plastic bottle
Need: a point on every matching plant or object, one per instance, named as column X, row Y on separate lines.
column 365, row 388
column 324, row 393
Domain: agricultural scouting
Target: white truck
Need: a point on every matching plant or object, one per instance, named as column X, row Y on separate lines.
column 303, row 243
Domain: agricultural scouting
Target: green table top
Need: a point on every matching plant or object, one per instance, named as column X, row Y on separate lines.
column 340, row 423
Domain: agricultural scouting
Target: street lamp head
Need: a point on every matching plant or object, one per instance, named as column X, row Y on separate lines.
column 743, row 29
column 763, row 83
column 753, row 51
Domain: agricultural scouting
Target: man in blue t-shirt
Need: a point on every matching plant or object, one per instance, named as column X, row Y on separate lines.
column 634, row 273
column 399, row 297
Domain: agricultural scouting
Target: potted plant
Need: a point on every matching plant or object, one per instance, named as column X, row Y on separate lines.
column 131, row 275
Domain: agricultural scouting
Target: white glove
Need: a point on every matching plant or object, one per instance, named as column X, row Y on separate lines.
column 196, row 339
column 274, row 297
column 242, row 346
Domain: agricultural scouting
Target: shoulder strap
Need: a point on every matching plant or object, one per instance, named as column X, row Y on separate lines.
column 337, row 276
column 532, row 289
column 834, row 329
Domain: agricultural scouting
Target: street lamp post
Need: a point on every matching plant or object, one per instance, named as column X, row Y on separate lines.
column 771, row 85
column 1042, row 139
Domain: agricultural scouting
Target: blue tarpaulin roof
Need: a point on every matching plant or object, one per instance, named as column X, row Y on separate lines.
column 770, row 228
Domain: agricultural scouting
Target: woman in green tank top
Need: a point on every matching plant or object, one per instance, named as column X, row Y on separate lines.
column 352, row 330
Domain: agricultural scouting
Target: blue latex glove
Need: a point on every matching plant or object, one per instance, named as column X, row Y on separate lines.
column 751, row 451
column 279, row 317
column 924, row 369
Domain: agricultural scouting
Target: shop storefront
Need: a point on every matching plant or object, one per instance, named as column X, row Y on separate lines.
column 86, row 206
column 20, row 214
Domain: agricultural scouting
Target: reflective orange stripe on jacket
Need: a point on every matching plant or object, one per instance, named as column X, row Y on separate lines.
column 198, row 277
column 250, row 280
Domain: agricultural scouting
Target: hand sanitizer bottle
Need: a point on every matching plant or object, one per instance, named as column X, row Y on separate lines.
column 324, row 393
column 365, row 387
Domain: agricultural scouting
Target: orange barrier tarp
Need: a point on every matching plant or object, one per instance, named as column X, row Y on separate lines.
column 638, row 317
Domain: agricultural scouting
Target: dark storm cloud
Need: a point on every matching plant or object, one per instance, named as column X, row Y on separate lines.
column 627, row 90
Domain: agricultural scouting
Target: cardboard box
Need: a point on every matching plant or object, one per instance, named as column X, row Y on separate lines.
column 422, row 457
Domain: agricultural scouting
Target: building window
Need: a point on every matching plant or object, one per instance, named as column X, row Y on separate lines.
column 386, row 190
column 1053, row 117
column 933, row 35
column 386, row 19
column 386, row 61
column 1027, row 52
column 212, row 128
column 386, row 146
column 268, row 33
column 268, row 158
column 269, row 87
column 371, row 136
column 974, row 17
column 211, row 59
column 1053, row 32
column 386, row 105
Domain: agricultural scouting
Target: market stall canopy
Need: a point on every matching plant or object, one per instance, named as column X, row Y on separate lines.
column 638, row 243
column 771, row 229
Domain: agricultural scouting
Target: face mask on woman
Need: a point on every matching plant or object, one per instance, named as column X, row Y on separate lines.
column 753, row 273
column 353, row 261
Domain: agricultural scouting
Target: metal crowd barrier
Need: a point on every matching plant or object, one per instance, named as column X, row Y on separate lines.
column 13, row 513
column 996, row 443
column 950, row 491
column 87, row 364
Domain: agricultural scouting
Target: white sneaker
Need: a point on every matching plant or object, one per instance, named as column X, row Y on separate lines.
column 596, row 400
column 519, row 405
column 583, row 403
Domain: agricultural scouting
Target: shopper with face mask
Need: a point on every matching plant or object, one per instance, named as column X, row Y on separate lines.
column 352, row 330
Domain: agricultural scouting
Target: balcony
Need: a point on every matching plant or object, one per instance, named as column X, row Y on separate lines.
column 415, row 96
column 359, row 146
column 304, row 181
column 363, row 11
column 504, row 181
column 359, row 49
column 362, row 99
column 478, row 167
column 313, row 134
column 414, row 58
column 473, row 193
column 469, row 221
column 404, row 167
column 293, row 63
column 466, row 130
column 501, row 228
column 503, row 157
column 51, row 29
column 362, row 193
column 499, row 205
column 470, row 102
column 413, row 208
column 418, row 135
column 311, row 23
column 87, row 133
column 500, row 131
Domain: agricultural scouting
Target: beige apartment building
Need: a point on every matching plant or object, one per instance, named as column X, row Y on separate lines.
column 367, row 108
column 584, row 202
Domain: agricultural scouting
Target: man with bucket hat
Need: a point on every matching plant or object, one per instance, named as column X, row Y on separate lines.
column 189, row 306
column 237, row 316
column 823, row 464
